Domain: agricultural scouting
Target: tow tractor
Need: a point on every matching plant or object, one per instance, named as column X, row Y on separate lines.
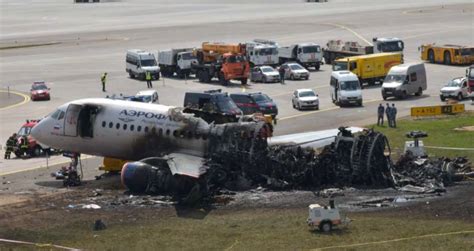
column 325, row 218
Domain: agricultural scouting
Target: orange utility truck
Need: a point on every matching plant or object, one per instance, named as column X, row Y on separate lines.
column 222, row 61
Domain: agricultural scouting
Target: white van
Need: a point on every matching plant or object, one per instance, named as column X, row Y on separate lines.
column 138, row 62
column 403, row 80
column 345, row 88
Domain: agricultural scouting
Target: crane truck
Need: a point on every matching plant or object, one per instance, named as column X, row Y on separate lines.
column 336, row 49
column 222, row 61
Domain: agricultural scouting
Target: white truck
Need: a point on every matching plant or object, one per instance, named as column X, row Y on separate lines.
column 388, row 44
column 262, row 52
column 340, row 49
column 305, row 54
column 176, row 61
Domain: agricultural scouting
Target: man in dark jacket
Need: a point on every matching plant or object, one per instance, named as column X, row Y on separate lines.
column 380, row 114
column 394, row 116
column 10, row 145
column 388, row 113
column 281, row 71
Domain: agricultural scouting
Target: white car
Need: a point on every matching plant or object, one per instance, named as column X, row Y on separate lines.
column 456, row 88
column 148, row 96
column 264, row 74
column 305, row 98
column 295, row 71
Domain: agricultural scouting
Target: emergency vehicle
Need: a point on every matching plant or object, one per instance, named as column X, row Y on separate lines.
column 32, row 148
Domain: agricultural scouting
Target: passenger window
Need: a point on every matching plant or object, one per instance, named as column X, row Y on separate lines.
column 132, row 127
column 146, row 129
column 413, row 77
column 104, row 124
column 111, row 125
column 168, row 132
column 125, row 126
column 117, row 126
column 153, row 130
column 160, row 131
column 139, row 128
column 175, row 133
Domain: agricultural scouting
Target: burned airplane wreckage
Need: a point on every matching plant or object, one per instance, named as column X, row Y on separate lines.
column 240, row 158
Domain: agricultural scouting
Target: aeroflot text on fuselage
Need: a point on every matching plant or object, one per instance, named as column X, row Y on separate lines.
column 148, row 115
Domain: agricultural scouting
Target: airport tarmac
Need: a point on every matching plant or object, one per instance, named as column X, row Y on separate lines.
column 70, row 45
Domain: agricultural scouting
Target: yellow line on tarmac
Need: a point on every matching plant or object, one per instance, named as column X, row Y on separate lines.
column 39, row 167
column 323, row 110
column 351, row 31
column 26, row 98
column 285, row 93
column 395, row 240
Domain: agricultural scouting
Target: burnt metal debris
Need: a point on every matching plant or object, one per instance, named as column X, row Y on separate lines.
column 240, row 159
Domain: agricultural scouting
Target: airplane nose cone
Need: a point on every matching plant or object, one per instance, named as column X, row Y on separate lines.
column 36, row 132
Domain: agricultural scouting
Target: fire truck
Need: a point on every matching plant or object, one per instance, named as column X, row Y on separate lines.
column 222, row 61
column 31, row 148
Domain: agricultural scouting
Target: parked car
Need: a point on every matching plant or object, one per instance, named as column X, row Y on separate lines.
column 295, row 71
column 305, row 98
column 455, row 88
column 214, row 101
column 39, row 91
column 251, row 103
column 148, row 96
column 264, row 74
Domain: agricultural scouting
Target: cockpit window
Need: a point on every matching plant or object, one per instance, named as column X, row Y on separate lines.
column 58, row 114
column 61, row 115
column 55, row 114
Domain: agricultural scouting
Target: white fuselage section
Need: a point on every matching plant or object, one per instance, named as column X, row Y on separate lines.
column 122, row 129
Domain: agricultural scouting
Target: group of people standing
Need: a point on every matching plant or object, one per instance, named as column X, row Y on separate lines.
column 148, row 78
column 390, row 112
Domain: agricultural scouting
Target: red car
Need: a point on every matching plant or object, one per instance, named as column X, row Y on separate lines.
column 39, row 91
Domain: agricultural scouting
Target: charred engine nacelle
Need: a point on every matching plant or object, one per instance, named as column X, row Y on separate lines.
column 153, row 176
column 140, row 176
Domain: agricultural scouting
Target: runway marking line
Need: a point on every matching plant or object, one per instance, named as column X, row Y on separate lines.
column 351, row 31
column 323, row 110
column 26, row 99
column 395, row 240
column 285, row 93
column 39, row 167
